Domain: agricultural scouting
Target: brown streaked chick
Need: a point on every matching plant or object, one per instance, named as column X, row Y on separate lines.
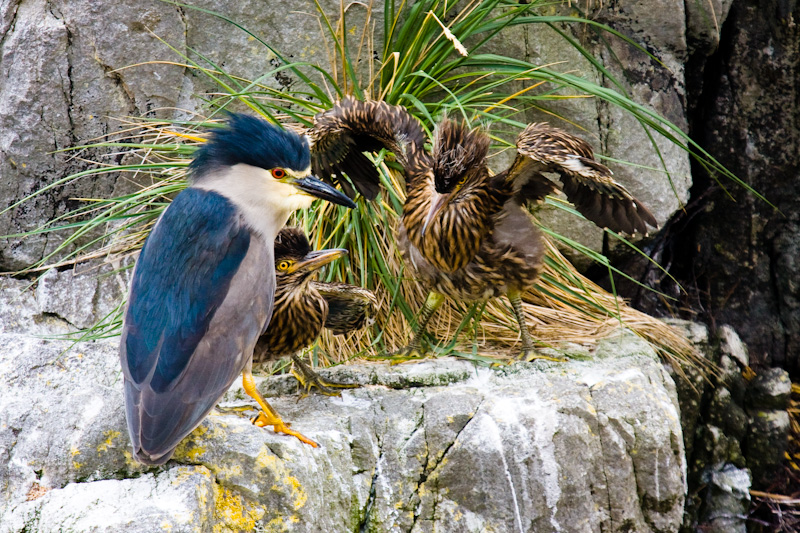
column 304, row 306
column 466, row 232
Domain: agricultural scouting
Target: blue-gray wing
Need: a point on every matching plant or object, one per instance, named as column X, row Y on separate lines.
column 201, row 295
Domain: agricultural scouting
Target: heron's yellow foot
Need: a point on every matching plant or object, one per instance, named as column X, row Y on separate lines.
column 309, row 379
column 279, row 426
column 268, row 416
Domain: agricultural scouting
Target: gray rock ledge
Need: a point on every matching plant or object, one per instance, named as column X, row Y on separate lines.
column 439, row 445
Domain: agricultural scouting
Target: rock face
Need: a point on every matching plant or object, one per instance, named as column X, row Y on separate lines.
column 72, row 69
column 736, row 428
column 753, row 123
column 736, row 251
column 434, row 446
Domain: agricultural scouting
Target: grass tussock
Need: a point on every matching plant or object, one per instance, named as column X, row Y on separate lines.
column 434, row 62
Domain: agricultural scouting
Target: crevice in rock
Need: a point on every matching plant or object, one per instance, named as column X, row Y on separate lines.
column 111, row 73
column 640, row 499
column 774, row 276
column 66, row 84
column 439, row 460
column 420, row 423
column 370, row 504
column 363, row 525
column 11, row 26
column 632, row 455
column 599, row 432
column 429, row 469
column 41, row 317
column 422, row 475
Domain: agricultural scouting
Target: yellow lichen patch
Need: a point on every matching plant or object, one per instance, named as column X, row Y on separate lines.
column 129, row 460
column 75, row 452
column 185, row 473
column 233, row 513
column 267, row 459
column 277, row 525
column 110, row 435
column 227, row 471
column 189, row 448
column 202, row 494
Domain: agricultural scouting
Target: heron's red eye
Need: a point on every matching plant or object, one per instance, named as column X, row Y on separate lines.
column 278, row 173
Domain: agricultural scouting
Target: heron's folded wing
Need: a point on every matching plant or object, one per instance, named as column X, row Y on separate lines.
column 184, row 341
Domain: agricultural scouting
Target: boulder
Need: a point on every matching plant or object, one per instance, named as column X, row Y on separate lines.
column 440, row 445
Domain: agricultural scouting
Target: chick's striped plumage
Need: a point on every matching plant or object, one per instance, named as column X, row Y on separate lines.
column 587, row 183
column 464, row 231
column 304, row 306
column 341, row 135
column 349, row 307
column 458, row 165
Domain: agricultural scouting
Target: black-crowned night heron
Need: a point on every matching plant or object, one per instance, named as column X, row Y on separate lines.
column 464, row 231
column 200, row 296
column 304, row 306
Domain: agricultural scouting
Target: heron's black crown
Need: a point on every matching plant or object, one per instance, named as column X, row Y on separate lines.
column 291, row 243
column 251, row 141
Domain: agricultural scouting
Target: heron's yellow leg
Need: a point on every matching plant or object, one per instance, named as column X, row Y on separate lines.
column 309, row 379
column 268, row 416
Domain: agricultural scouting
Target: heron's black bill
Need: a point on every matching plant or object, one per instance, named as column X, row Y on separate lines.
column 319, row 189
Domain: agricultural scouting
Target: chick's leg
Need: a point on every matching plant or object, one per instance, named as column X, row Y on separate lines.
column 528, row 352
column 268, row 416
column 414, row 348
column 308, row 379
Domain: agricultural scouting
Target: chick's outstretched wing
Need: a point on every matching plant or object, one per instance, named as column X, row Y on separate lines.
column 342, row 134
column 587, row 183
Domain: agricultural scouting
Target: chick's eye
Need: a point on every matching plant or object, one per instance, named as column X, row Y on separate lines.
column 283, row 265
column 278, row 173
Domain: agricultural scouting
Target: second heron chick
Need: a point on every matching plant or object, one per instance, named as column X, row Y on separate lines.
column 303, row 307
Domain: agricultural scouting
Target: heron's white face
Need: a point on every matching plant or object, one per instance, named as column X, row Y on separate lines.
column 279, row 185
column 265, row 197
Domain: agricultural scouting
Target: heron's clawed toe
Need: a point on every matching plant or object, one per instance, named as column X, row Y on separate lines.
column 279, row 426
